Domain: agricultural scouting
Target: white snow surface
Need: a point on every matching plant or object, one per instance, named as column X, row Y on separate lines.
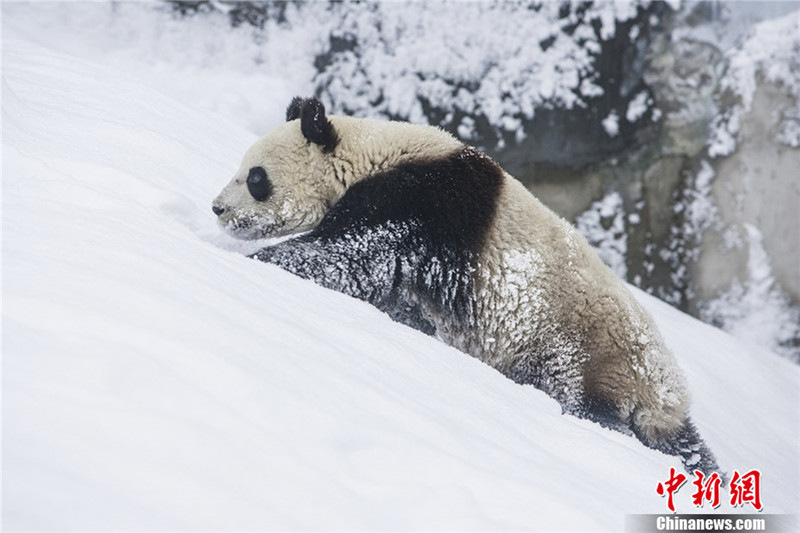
column 156, row 379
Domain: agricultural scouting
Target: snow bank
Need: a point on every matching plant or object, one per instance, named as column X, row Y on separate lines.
column 155, row 379
column 224, row 71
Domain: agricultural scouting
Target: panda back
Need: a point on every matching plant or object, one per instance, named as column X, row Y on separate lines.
column 432, row 216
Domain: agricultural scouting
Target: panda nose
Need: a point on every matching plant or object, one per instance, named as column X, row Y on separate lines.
column 217, row 210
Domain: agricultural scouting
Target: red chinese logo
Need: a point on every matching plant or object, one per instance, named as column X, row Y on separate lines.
column 744, row 488
column 708, row 491
column 672, row 485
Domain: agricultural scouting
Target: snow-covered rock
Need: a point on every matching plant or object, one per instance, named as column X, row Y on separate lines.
column 755, row 140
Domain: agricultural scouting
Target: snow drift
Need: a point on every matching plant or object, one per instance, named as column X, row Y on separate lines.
column 154, row 378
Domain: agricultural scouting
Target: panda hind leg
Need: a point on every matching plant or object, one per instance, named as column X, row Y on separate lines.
column 605, row 413
column 687, row 444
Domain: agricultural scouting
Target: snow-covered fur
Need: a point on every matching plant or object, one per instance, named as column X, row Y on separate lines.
column 437, row 235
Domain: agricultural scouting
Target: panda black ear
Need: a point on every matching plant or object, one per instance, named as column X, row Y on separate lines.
column 293, row 111
column 315, row 125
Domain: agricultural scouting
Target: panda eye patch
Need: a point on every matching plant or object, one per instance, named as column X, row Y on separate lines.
column 258, row 184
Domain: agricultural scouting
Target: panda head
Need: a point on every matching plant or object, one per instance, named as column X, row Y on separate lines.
column 283, row 184
column 290, row 177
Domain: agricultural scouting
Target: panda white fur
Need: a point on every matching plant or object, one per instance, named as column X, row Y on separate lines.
column 437, row 235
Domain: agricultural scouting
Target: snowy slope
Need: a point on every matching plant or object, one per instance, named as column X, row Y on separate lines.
column 154, row 378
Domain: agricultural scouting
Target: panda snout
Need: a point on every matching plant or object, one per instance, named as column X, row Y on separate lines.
column 218, row 210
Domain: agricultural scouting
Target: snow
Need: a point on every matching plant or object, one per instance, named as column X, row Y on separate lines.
column 701, row 212
column 156, row 379
column 201, row 59
column 611, row 124
column 638, row 106
column 403, row 57
column 603, row 225
column 771, row 49
column 722, row 135
column 698, row 213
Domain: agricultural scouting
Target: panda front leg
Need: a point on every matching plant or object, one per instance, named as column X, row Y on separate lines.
column 368, row 270
column 326, row 266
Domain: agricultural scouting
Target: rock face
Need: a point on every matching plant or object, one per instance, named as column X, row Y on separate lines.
column 757, row 185
column 663, row 178
column 747, row 277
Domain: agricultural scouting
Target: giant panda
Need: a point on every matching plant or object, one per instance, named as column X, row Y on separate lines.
column 437, row 235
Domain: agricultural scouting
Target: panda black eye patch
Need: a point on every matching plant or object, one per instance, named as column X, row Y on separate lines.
column 258, row 184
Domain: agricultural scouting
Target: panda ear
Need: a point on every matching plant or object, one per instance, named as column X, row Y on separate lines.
column 293, row 111
column 315, row 125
